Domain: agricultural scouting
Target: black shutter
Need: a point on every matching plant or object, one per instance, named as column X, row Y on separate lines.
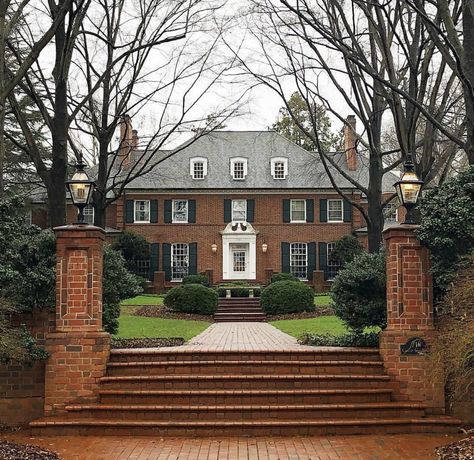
column 309, row 210
column 154, row 211
column 250, row 210
column 167, row 261
column 347, row 211
column 323, row 210
column 192, row 211
column 154, row 251
column 192, row 269
column 323, row 258
column 285, row 257
column 286, row 210
column 311, row 260
column 129, row 212
column 227, row 211
column 168, row 211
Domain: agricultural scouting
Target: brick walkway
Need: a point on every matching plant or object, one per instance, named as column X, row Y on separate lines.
column 390, row 447
column 242, row 336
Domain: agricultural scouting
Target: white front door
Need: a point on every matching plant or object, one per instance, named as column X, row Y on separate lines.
column 239, row 260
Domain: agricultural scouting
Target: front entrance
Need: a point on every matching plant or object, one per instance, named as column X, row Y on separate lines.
column 239, row 260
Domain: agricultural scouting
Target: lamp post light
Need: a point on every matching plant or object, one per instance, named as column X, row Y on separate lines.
column 80, row 187
column 408, row 189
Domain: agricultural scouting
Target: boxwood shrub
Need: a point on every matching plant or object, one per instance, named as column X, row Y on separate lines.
column 287, row 297
column 192, row 298
column 238, row 291
column 283, row 277
column 351, row 339
column 196, row 279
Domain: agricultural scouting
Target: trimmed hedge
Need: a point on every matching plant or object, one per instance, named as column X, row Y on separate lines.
column 192, row 298
column 239, row 291
column 283, row 277
column 196, row 279
column 287, row 297
column 352, row 339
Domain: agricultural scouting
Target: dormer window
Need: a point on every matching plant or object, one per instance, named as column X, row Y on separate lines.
column 238, row 168
column 279, row 167
column 198, row 168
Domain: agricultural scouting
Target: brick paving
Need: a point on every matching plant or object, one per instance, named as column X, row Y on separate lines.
column 387, row 447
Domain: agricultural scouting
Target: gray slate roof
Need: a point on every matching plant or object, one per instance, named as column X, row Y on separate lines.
column 305, row 170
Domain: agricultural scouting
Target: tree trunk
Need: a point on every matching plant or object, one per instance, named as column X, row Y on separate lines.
column 468, row 66
column 375, row 224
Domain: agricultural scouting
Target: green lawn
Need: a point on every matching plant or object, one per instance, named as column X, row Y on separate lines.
column 139, row 326
column 321, row 325
column 145, row 299
column 322, row 300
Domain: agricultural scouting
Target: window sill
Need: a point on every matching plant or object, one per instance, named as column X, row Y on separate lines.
column 337, row 222
column 179, row 222
column 141, row 222
column 299, row 222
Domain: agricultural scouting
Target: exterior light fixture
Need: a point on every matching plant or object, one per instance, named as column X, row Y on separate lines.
column 264, row 247
column 81, row 188
column 408, row 189
column 214, row 247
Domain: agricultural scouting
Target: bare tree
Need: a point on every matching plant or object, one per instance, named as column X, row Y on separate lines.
column 376, row 58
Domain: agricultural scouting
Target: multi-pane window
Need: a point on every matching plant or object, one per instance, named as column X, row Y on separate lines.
column 239, row 170
column 299, row 260
column 239, row 261
column 239, row 210
column 180, row 211
column 335, row 211
column 142, row 211
column 333, row 265
column 89, row 215
column 390, row 212
column 198, row 170
column 179, row 261
column 298, row 211
column 279, row 171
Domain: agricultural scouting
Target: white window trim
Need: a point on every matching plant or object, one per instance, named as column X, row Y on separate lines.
column 172, row 213
column 93, row 212
column 396, row 213
column 238, row 160
column 194, row 160
column 232, row 210
column 342, row 212
column 283, row 160
column 306, row 259
column 135, row 212
column 291, row 212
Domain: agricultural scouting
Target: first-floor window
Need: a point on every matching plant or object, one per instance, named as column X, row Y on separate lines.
column 335, row 213
column 333, row 265
column 89, row 215
column 239, row 210
column 299, row 260
column 179, row 261
column 142, row 211
column 180, row 211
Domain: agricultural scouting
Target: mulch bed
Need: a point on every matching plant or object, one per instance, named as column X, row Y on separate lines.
column 159, row 311
column 146, row 343
column 457, row 450
column 320, row 311
column 12, row 451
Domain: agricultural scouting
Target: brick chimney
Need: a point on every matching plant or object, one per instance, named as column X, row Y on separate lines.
column 126, row 141
column 134, row 139
column 350, row 141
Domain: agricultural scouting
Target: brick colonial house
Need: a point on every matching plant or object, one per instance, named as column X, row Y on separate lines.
column 239, row 205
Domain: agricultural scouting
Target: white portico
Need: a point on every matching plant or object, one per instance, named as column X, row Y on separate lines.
column 239, row 251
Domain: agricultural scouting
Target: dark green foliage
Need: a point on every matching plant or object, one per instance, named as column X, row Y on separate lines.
column 346, row 249
column 196, row 279
column 352, row 339
column 283, row 277
column 359, row 292
column 119, row 284
column 192, row 298
column 237, row 290
column 133, row 247
column 287, row 297
column 447, row 225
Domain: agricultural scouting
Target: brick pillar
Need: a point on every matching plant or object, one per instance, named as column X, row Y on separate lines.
column 78, row 348
column 319, row 283
column 409, row 315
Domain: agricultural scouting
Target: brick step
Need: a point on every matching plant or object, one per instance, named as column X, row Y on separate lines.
column 297, row 396
column 241, row 319
column 240, row 381
column 238, row 411
column 239, row 309
column 223, row 367
column 262, row 427
column 309, row 354
column 250, row 314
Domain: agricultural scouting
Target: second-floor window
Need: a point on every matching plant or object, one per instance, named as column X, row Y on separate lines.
column 298, row 210
column 390, row 212
column 89, row 215
column 299, row 260
column 335, row 211
column 239, row 210
column 180, row 211
column 142, row 211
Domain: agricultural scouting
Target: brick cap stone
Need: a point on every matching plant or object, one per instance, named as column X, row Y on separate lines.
column 79, row 228
column 77, row 335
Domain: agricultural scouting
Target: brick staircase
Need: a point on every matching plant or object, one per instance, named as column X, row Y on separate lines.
column 239, row 309
column 209, row 393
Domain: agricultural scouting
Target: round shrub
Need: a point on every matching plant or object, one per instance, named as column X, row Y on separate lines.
column 196, row 279
column 192, row 298
column 283, row 277
column 287, row 297
column 359, row 292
